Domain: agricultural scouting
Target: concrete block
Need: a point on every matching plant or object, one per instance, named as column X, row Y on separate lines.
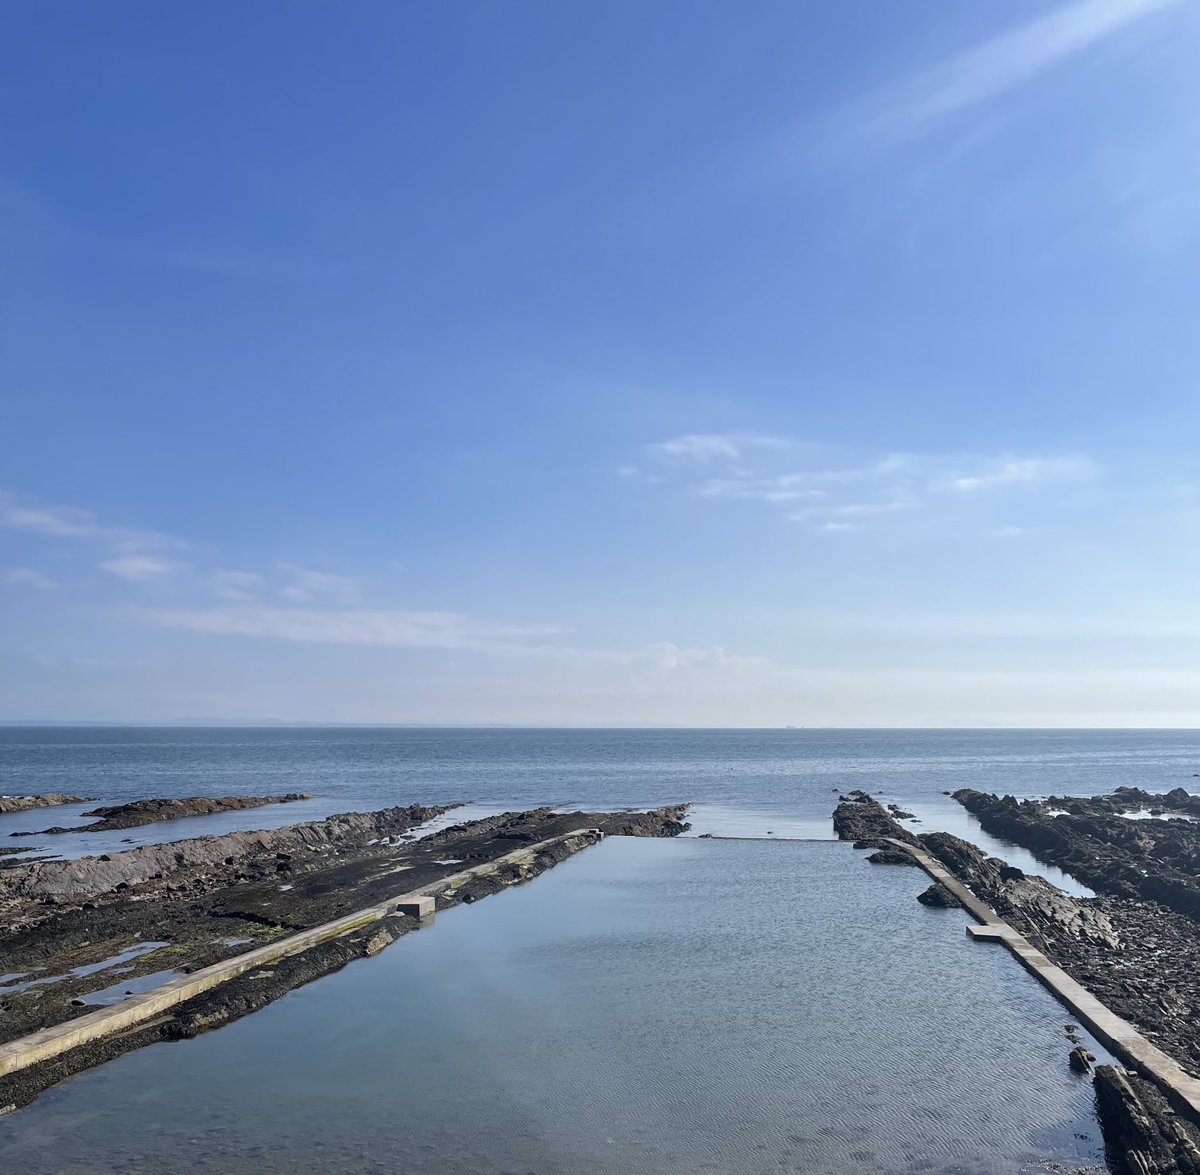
column 419, row 906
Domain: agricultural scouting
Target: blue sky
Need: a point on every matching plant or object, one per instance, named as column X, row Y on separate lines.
column 823, row 363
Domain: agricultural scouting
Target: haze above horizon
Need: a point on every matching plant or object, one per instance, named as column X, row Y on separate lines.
column 827, row 364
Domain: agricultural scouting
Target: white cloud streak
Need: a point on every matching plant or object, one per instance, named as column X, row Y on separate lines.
column 704, row 447
column 28, row 577
column 1005, row 63
column 1028, row 471
column 378, row 628
column 836, row 496
column 70, row 522
column 307, row 586
column 140, row 568
column 238, row 585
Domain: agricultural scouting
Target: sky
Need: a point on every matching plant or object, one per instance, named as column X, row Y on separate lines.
column 810, row 362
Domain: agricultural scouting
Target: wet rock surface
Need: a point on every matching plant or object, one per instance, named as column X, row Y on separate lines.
column 1142, row 1133
column 50, row 800
column 939, row 897
column 892, row 856
column 1136, row 945
column 1138, row 956
column 141, row 812
column 200, row 864
column 1094, row 840
column 211, row 907
column 867, row 822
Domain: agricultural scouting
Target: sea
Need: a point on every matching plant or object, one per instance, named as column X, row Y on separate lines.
column 769, row 1003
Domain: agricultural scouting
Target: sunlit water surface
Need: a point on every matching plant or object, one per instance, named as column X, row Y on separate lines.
column 647, row 1006
column 742, row 782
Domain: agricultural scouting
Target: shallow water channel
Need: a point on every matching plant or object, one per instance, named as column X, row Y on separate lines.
column 647, row 1006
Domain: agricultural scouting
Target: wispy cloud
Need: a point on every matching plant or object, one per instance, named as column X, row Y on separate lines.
column 1024, row 471
column 56, row 521
column 382, row 628
column 18, row 512
column 28, row 577
column 238, row 585
column 997, row 67
column 307, row 585
column 704, row 447
column 833, row 494
column 140, row 568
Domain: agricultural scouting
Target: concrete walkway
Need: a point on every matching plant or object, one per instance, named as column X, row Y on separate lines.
column 1118, row 1035
column 50, row 1042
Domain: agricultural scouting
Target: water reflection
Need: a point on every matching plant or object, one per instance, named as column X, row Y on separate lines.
column 648, row 1006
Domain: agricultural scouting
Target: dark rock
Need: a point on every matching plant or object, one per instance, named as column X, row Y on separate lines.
column 49, row 800
column 891, row 856
column 939, row 897
column 866, row 822
column 1080, row 1060
column 140, row 812
column 1142, row 1133
column 1097, row 844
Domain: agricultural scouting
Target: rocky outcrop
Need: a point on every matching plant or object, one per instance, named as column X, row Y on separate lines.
column 1142, row 1133
column 866, row 822
column 658, row 822
column 1155, row 860
column 210, row 860
column 939, row 897
column 1140, row 959
column 343, row 876
column 133, row 815
column 892, row 856
column 1081, row 1059
column 50, row 800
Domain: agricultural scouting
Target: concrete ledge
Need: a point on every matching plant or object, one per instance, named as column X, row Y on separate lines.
column 988, row 933
column 1118, row 1035
column 60, row 1038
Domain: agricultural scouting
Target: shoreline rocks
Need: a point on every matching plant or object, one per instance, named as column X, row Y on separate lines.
column 1143, row 1135
column 115, row 817
column 867, row 822
column 203, row 862
column 49, row 800
column 939, row 897
column 225, row 912
column 1091, row 839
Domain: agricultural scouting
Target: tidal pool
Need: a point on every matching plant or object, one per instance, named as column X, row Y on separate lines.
column 647, row 1006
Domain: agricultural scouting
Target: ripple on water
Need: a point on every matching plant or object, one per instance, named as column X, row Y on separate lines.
column 648, row 1006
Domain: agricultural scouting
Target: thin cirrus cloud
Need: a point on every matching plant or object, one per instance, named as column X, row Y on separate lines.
column 18, row 512
column 1026, row 471
column 378, row 628
column 140, row 568
column 238, row 585
column 30, row 577
column 997, row 67
column 834, row 494
column 702, row 447
column 308, row 586
column 453, row 632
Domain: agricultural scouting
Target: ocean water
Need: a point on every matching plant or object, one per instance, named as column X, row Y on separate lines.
column 731, row 1007
column 742, row 782
column 755, row 1005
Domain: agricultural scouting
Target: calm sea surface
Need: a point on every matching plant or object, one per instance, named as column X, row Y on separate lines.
column 742, row 782
column 661, row 1007
column 721, row 1006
